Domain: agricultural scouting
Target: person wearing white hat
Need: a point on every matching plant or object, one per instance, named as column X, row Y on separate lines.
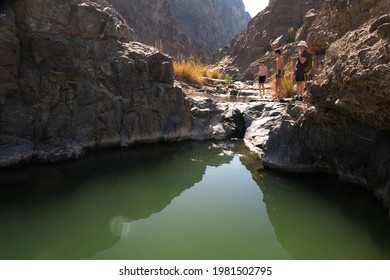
column 300, row 74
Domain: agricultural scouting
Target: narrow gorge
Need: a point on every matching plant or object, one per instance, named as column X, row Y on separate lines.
column 74, row 77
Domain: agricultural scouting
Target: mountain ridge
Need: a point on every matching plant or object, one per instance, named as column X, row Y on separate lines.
column 184, row 27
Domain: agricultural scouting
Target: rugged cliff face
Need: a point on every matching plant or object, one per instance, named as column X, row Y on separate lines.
column 345, row 127
column 188, row 27
column 280, row 23
column 71, row 78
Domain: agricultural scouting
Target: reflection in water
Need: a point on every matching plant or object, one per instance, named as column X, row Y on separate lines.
column 183, row 201
column 221, row 217
column 318, row 217
column 335, row 223
column 71, row 210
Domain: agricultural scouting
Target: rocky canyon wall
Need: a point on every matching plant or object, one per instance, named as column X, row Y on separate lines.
column 344, row 129
column 184, row 27
column 72, row 79
column 280, row 23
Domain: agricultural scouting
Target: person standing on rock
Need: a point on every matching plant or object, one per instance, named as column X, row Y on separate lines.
column 300, row 67
column 262, row 75
column 279, row 73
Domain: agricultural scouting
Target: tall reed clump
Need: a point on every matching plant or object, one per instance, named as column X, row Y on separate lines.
column 288, row 84
column 214, row 73
column 194, row 72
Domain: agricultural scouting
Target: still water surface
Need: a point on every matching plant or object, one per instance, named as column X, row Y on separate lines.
column 184, row 201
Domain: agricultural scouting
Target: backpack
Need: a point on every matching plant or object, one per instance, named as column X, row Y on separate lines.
column 308, row 62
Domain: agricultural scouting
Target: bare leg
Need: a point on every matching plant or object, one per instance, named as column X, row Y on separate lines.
column 279, row 88
column 260, row 89
column 300, row 88
column 263, row 88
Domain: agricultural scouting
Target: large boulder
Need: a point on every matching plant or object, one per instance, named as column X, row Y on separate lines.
column 72, row 78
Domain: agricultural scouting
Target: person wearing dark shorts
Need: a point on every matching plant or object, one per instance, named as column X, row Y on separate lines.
column 262, row 79
column 300, row 76
column 262, row 75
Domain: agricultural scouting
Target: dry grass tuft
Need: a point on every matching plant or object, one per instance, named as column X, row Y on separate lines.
column 188, row 72
column 193, row 72
column 214, row 73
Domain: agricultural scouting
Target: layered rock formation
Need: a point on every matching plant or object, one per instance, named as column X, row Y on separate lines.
column 184, row 27
column 72, row 79
column 345, row 127
column 280, row 23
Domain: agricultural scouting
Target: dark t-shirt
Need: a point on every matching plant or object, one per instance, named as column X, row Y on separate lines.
column 300, row 67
